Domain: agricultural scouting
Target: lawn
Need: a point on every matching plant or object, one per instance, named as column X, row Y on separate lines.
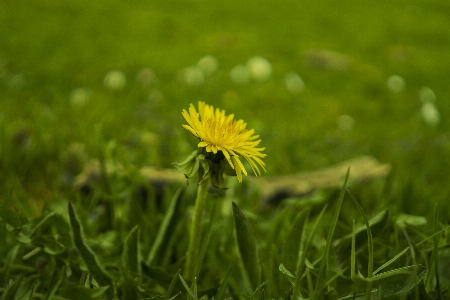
column 95, row 85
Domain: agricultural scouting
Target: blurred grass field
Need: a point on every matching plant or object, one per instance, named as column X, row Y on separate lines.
column 49, row 49
column 83, row 80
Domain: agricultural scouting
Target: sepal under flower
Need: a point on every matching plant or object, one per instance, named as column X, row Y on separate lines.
column 191, row 165
column 212, row 168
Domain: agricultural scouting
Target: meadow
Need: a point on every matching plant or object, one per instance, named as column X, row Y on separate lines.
column 92, row 92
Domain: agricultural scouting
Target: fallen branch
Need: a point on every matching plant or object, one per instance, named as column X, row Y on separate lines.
column 276, row 188
column 272, row 188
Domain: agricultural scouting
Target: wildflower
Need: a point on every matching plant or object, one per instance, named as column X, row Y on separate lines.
column 155, row 97
column 146, row 77
column 192, row 76
column 430, row 114
column 426, row 95
column 18, row 81
column 395, row 83
column 260, row 68
column 294, row 83
column 223, row 138
column 209, row 64
column 240, row 74
column 115, row 80
column 223, row 141
column 79, row 97
column 345, row 123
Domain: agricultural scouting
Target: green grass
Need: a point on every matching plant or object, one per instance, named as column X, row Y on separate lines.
column 50, row 48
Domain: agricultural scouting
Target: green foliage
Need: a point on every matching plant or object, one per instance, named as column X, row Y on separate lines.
column 166, row 222
column 325, row 259
column 78, row 220
column 45, row 260
column 89, row 257
column 247, row 248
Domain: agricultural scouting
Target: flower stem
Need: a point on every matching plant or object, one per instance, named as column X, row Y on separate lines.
column 196, row 227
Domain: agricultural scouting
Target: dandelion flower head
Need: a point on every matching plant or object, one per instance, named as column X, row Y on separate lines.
column 222, row 134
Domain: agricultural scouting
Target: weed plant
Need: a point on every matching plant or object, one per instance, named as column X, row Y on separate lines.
column 97, row 89
column 128, row 247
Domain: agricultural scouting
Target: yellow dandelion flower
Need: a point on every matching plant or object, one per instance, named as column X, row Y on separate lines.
column 219, row 133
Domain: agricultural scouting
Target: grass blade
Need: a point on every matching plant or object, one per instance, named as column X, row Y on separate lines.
column 247, row 247
column 131, row 253
column 11, row 291
column 378, row 224
column 436, row 253
column 286, row 273
column 301, row 264
column 389, row 262
column 291, row 248
column 259, row 288
column 172, row 285
column 157, row 274
column 223, row 285
column 369, row 236
column 413, row 259
column 324, row 261
column 14, row 220
column 370, row 245
column 7, row 265
column 26, row 288
column 129, row 286
column 194, row 297
column 55, row 283
column 164, row 225
column 41, row 222
column 353, row 254
column 100, row 275
column 205, row 242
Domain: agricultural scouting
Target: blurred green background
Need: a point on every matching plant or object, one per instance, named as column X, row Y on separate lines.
column 366, row 77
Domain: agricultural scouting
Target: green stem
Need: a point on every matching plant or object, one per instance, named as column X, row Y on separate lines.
column 196, row 227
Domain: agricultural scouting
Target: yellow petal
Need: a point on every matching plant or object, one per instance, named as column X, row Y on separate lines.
column 191, row 130
column 187, row 117
column 238, row 169
column 241, row 166
column 227, row 156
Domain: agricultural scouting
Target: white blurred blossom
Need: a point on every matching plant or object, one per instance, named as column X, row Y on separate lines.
column 426, row 94
column 240, row 74
column 430, row 114
column 260, row 68
column 115, row 80
column 17, row 81
column 231, row 98
column 395, row 83
column 146, row 76
column 328, row 60
column 79, row 97
column 149, row 139
column 155, row 96
column 345, row 123
column 192, row 76
column 294, row 83
column 209, row 64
